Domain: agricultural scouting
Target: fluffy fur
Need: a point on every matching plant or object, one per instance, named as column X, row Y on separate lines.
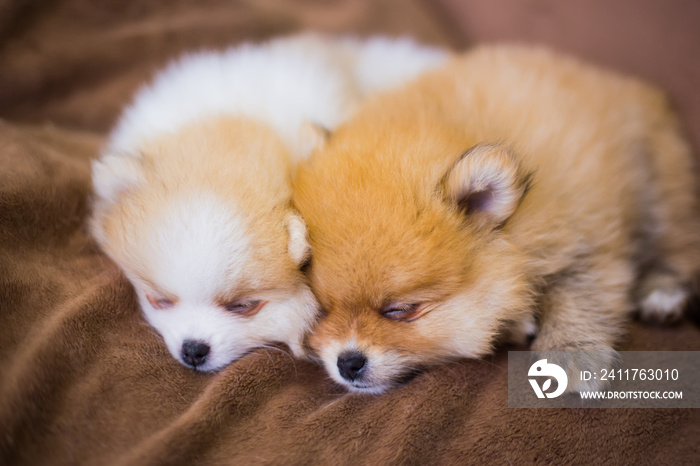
column 511, row 191
column 193, row 191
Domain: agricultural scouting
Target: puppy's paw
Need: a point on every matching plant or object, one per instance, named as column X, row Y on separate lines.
column 592, row 361
column 576, row 358
column 662, row 299
column 520, row 332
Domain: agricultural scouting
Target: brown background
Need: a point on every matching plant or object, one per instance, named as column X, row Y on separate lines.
column 83, row 379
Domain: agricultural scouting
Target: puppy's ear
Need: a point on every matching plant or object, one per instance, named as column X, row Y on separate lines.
column 298, row 246
column 313, row 137
column 113, row 175
column 486, row 180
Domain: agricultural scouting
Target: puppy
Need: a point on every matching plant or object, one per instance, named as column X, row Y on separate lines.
column 509, row 188
column 193, row 191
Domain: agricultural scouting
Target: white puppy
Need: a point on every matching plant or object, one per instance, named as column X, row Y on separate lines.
column 192, row 193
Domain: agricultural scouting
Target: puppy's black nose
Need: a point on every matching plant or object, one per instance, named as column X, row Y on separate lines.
column 194, row 352
column 351, row 365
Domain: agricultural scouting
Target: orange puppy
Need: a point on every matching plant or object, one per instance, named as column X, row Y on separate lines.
column 509, row 193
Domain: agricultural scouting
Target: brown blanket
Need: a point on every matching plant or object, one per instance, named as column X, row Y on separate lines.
column 84, row 380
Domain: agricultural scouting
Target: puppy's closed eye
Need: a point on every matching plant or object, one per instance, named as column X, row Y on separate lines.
column 245, row 308
column 402, row 311
column 161, row 303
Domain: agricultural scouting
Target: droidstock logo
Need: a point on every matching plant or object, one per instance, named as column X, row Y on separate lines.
column 541, row 369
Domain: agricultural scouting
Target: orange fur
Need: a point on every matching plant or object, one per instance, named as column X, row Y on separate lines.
column 609, row 212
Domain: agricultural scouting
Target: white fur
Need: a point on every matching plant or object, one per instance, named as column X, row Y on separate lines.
column 664, row 305
column 228, row 335
column 662, row 297
column 196, row 247
column 381, row 63
column 284, row 83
